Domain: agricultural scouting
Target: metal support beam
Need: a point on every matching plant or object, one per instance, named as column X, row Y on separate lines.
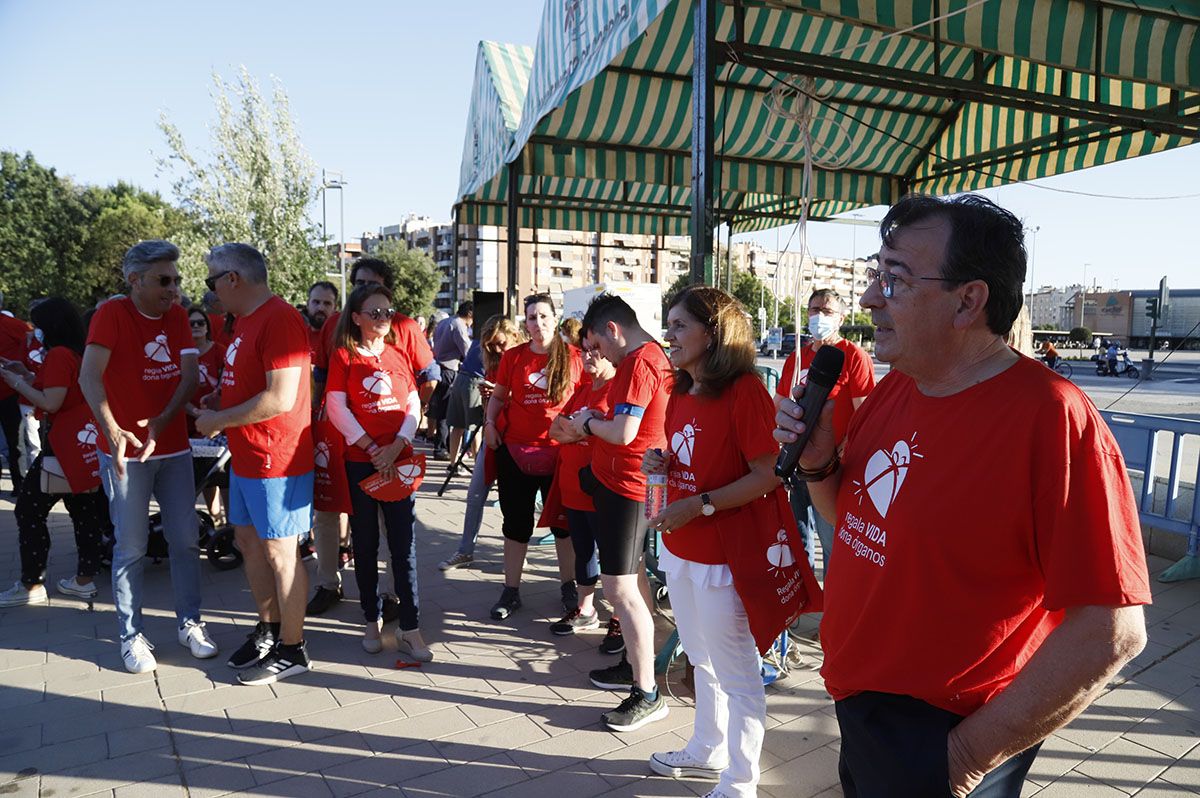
column 704, row 23
column 454, row 255
column 514, row 235
column 793, row 62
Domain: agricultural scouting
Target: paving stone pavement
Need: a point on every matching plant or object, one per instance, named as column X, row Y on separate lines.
column 505, row 709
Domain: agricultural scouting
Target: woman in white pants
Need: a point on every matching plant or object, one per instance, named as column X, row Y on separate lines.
column 722, row 454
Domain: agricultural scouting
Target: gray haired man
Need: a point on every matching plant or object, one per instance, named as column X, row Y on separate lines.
column 139, row 369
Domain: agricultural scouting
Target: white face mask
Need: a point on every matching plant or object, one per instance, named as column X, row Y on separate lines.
column 822, row 327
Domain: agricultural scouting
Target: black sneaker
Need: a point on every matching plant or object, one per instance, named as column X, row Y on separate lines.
column 323, row 600
column 306, row 551
column 636, row 711
column 570, row 596
column 281, row 663
column 613, row 642
column 614, row 677
column 510, row 602
column 389, row 609
column 575, row 621
column 258, row 644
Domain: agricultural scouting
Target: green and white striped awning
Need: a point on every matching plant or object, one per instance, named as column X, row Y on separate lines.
column 935, row 96
column 497, row 97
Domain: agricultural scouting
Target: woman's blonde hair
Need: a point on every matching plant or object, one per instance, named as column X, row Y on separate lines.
column 493, row 328
column 558, row 367
column 732, row 352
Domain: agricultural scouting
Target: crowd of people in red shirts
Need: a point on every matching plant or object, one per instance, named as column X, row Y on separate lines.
column 611, row 443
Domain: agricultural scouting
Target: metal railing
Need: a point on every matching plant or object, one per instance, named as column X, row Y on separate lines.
column 1139, row 437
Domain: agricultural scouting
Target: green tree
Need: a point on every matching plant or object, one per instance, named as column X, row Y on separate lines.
column 256, row 185
column 417, row 277
column 1080, row 335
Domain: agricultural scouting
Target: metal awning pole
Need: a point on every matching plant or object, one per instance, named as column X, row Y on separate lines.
column 514, row 244
column 703, row 80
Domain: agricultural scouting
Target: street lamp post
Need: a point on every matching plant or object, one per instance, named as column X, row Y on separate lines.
column 335, row 180
column 1032, row 267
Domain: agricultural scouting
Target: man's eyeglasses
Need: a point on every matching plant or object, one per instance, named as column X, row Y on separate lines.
column 887, row 281
column 211, row 282
column 166, row 280
column 359, row 283
column 379, row 313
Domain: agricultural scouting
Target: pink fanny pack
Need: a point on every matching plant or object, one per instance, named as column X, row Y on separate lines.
column 534, row 460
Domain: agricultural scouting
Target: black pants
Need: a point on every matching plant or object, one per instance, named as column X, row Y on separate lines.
column 87, row 511
column 620, row 527
column 10, row 423
column 364, row 535
column 894, row 746
column 439, row 404
column 518, row 494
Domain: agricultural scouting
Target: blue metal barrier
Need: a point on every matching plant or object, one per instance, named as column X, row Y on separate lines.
column 1138, row 437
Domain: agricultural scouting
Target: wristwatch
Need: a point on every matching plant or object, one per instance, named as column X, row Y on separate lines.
column 707, row 507
column 587, row 425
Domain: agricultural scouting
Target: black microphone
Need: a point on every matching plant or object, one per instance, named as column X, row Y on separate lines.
column 822, row 375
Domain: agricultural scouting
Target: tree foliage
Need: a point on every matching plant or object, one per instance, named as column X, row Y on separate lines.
column 57, row 238
column 255, row 186
column 417, row 277
column 1080, row 335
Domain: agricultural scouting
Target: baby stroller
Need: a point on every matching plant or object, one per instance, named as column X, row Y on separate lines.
column 209, row 461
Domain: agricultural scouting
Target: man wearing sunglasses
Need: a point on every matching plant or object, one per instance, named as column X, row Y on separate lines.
column 266, row 411
column 139, row 370
column 987, row 569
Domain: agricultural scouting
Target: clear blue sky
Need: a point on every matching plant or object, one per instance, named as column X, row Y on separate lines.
column 380, row 92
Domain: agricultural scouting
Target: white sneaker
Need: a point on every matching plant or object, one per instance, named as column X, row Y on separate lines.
column 18, row 595
column 136, row 653
column 194, row 635
column 682, row 765
column 71, row 587
column 410, row 644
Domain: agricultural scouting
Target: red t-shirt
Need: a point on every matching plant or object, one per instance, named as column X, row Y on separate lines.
column 60, row 369
column 410, row 342
column 143, row 368
column 640, row 388
column 270, row 338
column 13, row 337
column 216, row 323
column 314, row 341
column 574, row 456
column 377, row 388
column 966, row 525
column 529, row 411
column 210, row 377
column 856, row 381
column 712, row 442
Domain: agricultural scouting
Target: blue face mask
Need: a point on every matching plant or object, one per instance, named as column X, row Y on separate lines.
column 821, row 327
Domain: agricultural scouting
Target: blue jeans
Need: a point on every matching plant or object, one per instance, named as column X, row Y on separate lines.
column 169, row 480
column 364, row 534
column 811, row 524
column 477, row 495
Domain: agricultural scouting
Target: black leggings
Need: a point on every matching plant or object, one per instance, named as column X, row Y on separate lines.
column 518, row 493
column 620, row 527
column 87, row 511
column 398, row 518
column 10, row 423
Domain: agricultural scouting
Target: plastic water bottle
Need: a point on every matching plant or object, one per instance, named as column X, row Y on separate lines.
column 656, row 493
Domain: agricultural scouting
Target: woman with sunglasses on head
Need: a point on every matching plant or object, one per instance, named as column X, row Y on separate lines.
column 497, row 336
column 371, row 399
column 533, row 383
column 719, row 425
column 56, row 395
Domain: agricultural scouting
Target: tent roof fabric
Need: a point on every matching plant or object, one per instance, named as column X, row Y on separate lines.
column 497, row 97
column 902, row 99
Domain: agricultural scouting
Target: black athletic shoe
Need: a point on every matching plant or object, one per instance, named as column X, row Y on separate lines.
column 323, row 600
column 306, row 551
column 570, row 596
column 635, row 712
column 281, row 663
column 613, row 642
column 614, row 677
column 510, row 602
column 258, row 644
column 575, row 621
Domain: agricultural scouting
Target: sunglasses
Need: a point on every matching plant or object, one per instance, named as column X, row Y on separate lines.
column 166, row 280
column 198, row 323
column 378, row 314
column 211, row 282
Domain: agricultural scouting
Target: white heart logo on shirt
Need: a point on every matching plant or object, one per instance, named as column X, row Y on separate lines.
column 885, row 474
column 378, row 383
column 206, row 378
column 321, row 455
column 87, row 435
column 157, row 350
column 409, row 473
column 779, row 554
column 538, row 380
column 683, row 443
column 231, row 352
column 37, row 355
